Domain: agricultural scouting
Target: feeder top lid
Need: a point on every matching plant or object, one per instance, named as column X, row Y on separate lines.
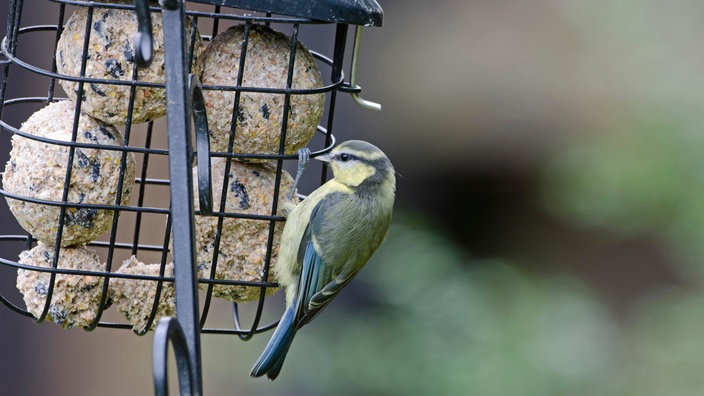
column 353, row 12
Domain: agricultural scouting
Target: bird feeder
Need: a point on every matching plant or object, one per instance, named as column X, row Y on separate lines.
column 236, row 102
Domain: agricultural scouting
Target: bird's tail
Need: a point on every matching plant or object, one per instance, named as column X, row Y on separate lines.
column 272, row 358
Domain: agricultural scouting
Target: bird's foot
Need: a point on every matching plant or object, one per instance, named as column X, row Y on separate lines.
column 303, row 159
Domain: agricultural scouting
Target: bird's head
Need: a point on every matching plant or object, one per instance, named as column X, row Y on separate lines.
column 358, row 163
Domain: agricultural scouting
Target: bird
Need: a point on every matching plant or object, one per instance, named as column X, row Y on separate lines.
column 328, row 238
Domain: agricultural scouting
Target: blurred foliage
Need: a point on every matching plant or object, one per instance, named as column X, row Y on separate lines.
column 643, row 177
column 665, row 347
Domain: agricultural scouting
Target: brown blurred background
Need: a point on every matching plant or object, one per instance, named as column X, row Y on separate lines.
column 549, row 223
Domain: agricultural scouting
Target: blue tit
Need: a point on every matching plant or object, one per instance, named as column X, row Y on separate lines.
column 328, row 238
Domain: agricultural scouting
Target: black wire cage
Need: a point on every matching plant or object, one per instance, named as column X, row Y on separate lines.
column 78, row 210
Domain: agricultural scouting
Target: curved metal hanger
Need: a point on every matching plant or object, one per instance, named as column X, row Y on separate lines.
column 167, row 330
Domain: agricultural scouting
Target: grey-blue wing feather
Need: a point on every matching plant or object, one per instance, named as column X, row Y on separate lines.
column 317, row 283
column 314, row 293
column 307, row 284
column 330, row 290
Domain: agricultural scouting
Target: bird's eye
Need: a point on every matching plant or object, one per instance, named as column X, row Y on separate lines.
column 344, row 157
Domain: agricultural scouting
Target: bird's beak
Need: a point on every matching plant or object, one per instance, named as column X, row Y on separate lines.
column 324, row 158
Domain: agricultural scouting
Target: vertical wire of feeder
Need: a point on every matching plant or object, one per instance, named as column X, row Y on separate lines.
column 226, row 174
column 13, row 27
column 63, row 208
column 180, row 155
column 160, row 283
column 118, row 199
column 142, row 187
column 336, row 75
column 277, row 182
column 59, row 30
column 216, row 22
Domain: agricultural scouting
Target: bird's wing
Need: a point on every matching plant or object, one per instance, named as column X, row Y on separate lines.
column 307, row 282
column 330, row 290
column 314, row 294
column 315, row 272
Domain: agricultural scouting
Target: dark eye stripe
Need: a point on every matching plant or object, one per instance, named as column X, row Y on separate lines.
column 344, row 157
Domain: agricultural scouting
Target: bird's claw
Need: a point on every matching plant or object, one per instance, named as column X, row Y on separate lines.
column 303, row 159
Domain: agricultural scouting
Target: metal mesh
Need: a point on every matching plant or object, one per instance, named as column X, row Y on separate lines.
column 143, row 227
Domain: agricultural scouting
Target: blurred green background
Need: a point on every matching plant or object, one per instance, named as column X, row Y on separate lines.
column 549, row 230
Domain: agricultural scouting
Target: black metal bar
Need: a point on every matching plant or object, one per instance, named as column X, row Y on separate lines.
column 279, row 170
column 160, row 280
column 147, row 84
column 339, row 51
column 180, row 157
column 142, row 187
column 226, row 174
column 12, row 27
column 67, row 177
column 135, row 149
column 118, row 202
column 216, row 22
column 59, row 24
column 337, row 75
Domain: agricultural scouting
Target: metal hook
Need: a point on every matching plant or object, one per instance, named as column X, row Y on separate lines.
column 353, row 73
column 200, row 121
column 143, row 39
column 167, row 330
